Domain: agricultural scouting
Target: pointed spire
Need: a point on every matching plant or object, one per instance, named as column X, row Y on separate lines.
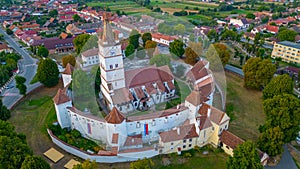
column 107, row 35
column 115, row 116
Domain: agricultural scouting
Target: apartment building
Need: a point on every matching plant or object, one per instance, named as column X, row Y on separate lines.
column 288, row 51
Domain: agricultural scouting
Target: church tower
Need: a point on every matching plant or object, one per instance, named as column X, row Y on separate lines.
column 111, row 63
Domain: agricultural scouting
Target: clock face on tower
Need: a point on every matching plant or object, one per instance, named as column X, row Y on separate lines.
column 112, row 52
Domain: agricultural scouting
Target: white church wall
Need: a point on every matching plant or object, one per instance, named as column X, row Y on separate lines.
column 89, row 128
column 62, row 114
column 156, row 125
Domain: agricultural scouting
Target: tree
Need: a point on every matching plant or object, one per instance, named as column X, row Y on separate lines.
column 277, row 86
column 68, row 59
column 134, row 38
column 245, row 156
column 1, row 37
column 283, row 111
column 87, row 164
column 192, row 37
column 250, row 16
column 35, row 162
column 190, row 56
column 222, row 52
column 76, row 18
column 82, row 84
column 258, row 73
column 229, row 35
column 179, row 29
column 140, row 53
column 160, row 60
column 9, row 32
column 47, row 72
column 271, row 141
column 287, row 35
column 146, row 36
column 4, row 112
column 13, row 146
column 142, row 164
column 22, row 89
column 213, row 35
column 80, row 41
column 53, row 13
column 150, row 47
column 20, row 80
column 42, row 51
column 176, row 48
column 129, row 51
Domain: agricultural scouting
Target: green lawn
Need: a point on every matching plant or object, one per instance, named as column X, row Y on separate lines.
column 212, row 160
column 246, row 108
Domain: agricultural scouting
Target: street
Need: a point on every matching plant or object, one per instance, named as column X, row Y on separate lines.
column 28, row 68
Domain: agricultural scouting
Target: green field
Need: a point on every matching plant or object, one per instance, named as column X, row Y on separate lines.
column 246, row 107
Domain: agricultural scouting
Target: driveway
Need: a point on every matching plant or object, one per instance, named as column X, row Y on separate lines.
column 286, row 161
column 28, row 68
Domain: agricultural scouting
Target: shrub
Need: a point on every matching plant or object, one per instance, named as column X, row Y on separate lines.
column 187, row 155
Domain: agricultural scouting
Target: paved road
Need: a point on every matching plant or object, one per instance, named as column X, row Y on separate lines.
column 286, row 161
column 28, row 68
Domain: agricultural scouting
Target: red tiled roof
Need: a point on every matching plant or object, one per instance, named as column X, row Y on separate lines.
column 115, row 116
column 134, row 140
column 122, row 95
column 204, row 122
column 69, row 69
column 150, row 88
column 3, row 46
column 230, row 139
column 60, row 97
column 151, row 74
column 196, row 98
column 272, row 28
column 90, row 52
column 154, row 115
column 139, row 92
column 184, row 132
column 215, row 116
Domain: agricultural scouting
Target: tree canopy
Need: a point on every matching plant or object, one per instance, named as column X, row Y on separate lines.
column 288, row 35
column 4, row 112
column 68, row 59
column 47, row 72
column 179, row 29
column 129, row 51
column 258, row 73
column 146, row 36
column 277, row 86
column 245, row 156
column 190, row 56
column 213, row 35
column 176, row 48
column 283, row 111
column 142, row 164
column 35, row 162
column 150, row 47
column 13, row 147
column 134, row 38
column 271, row 141
column 87, row 164
column 42, row 51
column 80, row 41
column 223, row 53
column 160, row 60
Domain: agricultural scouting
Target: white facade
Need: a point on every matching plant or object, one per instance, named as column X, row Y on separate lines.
column 90, row 60
column 67, row 79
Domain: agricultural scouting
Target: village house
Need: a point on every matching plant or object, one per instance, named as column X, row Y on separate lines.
column 163, row 39
column 90, row 57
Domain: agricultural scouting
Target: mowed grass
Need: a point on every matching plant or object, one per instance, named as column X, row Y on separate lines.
column 32, row 116
column 213, row 160
column 246, row 107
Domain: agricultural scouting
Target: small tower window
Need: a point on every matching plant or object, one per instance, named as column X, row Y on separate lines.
column 116, row 65
column 111, row 66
